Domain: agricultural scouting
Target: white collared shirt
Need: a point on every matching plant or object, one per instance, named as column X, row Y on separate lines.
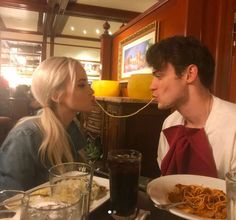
column 220, row 129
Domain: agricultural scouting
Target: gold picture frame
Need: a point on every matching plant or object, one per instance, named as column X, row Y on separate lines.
column 132, row 51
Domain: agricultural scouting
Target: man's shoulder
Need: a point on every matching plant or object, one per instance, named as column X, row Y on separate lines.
column 225, row 108
column 174, row 118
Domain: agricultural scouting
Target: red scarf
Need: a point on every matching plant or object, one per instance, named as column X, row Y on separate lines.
column 189, row 153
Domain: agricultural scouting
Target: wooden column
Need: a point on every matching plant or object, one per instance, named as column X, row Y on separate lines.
column 52, row 45
column 0, row 56
column 106, row 52
column 44, row 47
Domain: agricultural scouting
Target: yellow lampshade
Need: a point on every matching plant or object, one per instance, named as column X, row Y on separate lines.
column 106, row 88
column 138, row 86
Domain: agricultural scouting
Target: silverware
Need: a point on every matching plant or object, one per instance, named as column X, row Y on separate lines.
column 6, row 214
column 98, row 171
column 11, row 197
column 168, row 206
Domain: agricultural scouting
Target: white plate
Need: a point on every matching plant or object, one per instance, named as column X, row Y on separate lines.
column 102, row 182
column 159, row 188
column 95, row 204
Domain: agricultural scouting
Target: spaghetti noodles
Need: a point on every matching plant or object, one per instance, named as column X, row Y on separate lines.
column 202, row 201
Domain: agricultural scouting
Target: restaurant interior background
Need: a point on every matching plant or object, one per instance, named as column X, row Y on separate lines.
column 33, row 30
column 98, row 32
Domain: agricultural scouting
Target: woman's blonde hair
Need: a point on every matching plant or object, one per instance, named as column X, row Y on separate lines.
column 50, row 77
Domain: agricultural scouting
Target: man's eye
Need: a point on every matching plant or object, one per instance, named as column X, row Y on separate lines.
column 156, row 74
column 82, row 85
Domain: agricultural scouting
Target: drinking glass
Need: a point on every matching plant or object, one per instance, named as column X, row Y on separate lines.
column 10, row 203
column 230, row 178
column 124, row 168
column 77, row 176
column 52, row 202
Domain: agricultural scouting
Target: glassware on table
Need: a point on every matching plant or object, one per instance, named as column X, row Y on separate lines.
column 52, row 203
column 10, row 203
column 230, row 178
column 124, row 168
column 76, row 176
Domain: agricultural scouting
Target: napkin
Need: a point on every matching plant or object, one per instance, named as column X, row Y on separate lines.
column 189, row 152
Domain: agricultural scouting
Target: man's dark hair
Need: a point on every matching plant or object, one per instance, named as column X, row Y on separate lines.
column 181, row 51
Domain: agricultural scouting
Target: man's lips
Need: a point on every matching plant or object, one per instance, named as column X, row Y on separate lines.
column 155, row 97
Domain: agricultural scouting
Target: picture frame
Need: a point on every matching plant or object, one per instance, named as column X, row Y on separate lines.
column 132, row 51
column 92, row 69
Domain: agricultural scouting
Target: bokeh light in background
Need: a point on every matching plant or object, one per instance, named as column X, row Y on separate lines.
column 19, row 60
column 13, row 78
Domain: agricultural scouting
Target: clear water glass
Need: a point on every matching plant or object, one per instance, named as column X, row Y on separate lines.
column 230, row 178
column 10, row 203
column 77, row 176
column 51, row 203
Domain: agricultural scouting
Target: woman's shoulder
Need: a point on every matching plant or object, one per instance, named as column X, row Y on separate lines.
column 27, row 127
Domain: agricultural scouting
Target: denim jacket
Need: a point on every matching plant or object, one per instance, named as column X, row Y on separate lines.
column 20, row 165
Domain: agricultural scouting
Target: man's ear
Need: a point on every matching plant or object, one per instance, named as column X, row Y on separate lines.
column 191, row 73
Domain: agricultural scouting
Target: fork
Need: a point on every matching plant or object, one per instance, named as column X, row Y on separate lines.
column 168, row 206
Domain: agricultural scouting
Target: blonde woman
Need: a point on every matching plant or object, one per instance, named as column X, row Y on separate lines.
column 36, row 143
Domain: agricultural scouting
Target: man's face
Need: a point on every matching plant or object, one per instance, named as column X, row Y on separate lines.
column 168, row 89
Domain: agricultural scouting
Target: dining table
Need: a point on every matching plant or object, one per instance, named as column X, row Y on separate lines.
column 145, row 209
column 145, row 205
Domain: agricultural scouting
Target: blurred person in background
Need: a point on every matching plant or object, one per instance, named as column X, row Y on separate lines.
column 21, row 91
column 199, row 137
column 36, row 143
column 4, row 96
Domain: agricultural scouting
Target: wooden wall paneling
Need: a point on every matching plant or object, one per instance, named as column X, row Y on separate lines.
column 140, row 132
column 210, row 17
column 232, row 95
column 224, row 45
column 194, row 19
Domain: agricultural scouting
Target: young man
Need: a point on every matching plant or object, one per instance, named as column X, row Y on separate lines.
column 199, row 137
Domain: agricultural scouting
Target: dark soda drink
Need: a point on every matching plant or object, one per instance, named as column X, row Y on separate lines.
column 124, row 168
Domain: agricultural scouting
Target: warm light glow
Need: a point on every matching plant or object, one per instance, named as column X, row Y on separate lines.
column 21, row 60
column 13, row 50
column 72, row 28
column 13, row 78
column 97, row 31
column 110, row 32
column 10, row 74
column 84, row 32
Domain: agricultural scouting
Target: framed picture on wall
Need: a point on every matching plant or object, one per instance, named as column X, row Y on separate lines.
column 132, row 51
column 93, row 69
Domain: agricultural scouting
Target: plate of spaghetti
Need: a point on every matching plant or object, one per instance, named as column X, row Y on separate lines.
column 204, row 197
